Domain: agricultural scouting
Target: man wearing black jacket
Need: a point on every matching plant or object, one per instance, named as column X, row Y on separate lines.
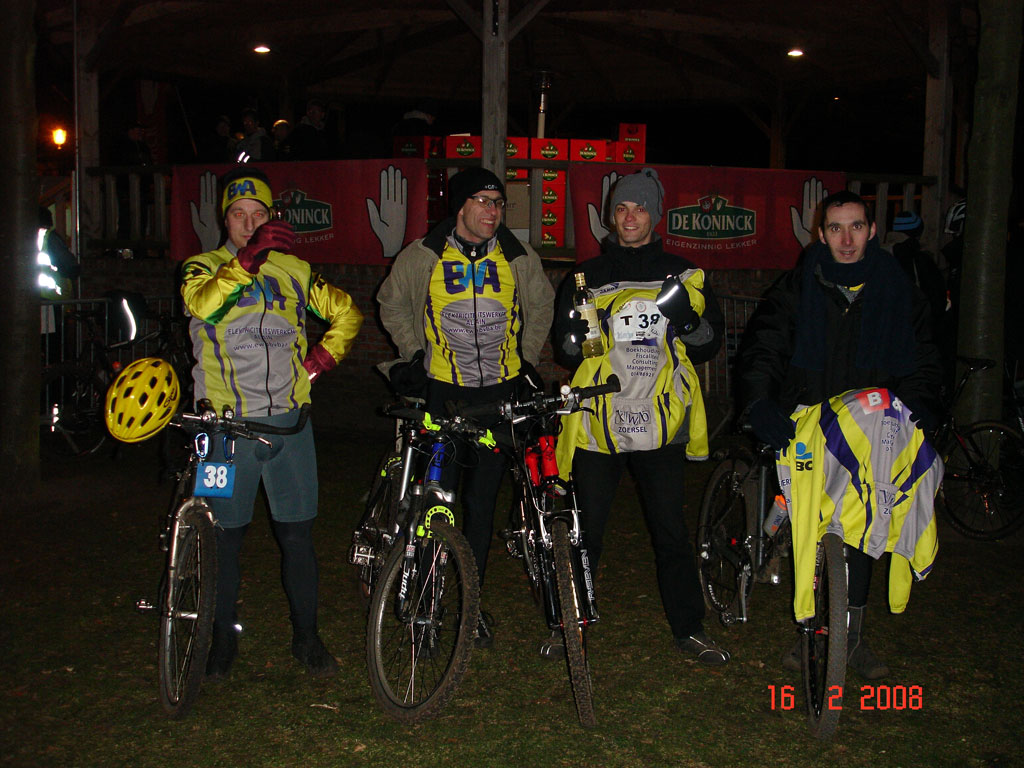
column 659, row 318
column 846, row 317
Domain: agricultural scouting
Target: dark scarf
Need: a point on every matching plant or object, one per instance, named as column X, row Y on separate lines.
column 886, row 330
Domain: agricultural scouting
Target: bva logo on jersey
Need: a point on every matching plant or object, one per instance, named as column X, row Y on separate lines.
column 804, row 458
column 457, row 278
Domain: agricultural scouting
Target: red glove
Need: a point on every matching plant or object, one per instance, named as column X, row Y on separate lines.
column 275, row 235
column 318, row 360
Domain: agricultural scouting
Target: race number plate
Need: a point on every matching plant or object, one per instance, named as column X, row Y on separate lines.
column 215, row 479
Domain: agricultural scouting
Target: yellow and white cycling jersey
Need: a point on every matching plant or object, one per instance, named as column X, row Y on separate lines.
column 860, row 468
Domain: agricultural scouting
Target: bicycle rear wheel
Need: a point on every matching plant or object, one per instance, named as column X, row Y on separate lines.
column 422, row 616
column 824, row 639
column 71, row 405
column 186, row 615
column 722, row 554
column 376, row 532
column 983, row 488
column 570, row 603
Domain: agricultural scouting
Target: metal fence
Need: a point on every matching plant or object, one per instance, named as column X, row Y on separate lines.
column 716, row 375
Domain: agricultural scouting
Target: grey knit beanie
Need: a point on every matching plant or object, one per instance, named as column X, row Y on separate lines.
column 642, row 188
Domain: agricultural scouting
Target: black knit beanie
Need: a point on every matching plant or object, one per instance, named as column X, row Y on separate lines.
column 469, row 182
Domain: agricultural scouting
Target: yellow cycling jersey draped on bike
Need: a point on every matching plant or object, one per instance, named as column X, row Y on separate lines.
column 860, row 468
column 660, row 401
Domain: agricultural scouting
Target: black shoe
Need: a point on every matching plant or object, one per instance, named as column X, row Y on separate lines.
column 310, row 650
column 484, row 637
column 223, row 650
column 703, row 647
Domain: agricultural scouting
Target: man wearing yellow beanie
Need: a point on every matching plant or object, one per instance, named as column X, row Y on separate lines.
column 249, row 301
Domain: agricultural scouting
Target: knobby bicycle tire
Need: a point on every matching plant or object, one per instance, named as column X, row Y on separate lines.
column 71, row 424
column 377, row 525
column 983, row 488
column 721, row 537
column 573, row 627
column 186, row 615
column 824, row 647
column 419, row 633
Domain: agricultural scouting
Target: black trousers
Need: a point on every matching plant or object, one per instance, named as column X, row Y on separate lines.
column 658, row 475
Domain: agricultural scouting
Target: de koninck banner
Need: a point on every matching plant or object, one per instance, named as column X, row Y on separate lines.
column 719, row 218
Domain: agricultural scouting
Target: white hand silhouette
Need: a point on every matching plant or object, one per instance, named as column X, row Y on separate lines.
column 803, row 221
column 599, row 217
column 205, row 221
column 388, row 221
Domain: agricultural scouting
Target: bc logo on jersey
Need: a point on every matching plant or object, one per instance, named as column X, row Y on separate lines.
column 804, row 458
column 457, row 278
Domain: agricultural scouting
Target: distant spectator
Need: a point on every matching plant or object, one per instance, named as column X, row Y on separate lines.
column 282, row 132
column 219, row 147
column 417, row 122
column 310, row 140
column 257, row 145
column 134, row 151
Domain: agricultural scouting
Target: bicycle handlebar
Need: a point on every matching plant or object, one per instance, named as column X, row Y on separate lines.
column 209, row 421
column 566, row 399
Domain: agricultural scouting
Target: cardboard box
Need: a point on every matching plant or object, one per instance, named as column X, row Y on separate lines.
column 553, row 194
column 627, row 152
column 463, row 146
column 549, row 149
column 552, row 237
column 516, row 174
column 517, row 205
column 418, row 146
column 633, row 133
column 517, row 148
column 552, row 176
column 588, row 150
column 552, row 217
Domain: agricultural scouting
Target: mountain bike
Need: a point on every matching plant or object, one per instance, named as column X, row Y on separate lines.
column 73, row 392
column 734, row 550
column 982, row 494
column 544, row 525
column 187, row 591
column 417, row 569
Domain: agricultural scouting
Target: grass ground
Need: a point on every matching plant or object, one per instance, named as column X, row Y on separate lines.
column 78, row 665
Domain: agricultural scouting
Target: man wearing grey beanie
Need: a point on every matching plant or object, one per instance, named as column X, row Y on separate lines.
column 659, row 318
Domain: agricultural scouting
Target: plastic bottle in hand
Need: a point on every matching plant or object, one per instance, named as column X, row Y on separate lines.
column 583, row 302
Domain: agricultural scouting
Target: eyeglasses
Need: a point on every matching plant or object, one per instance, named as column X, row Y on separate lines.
column 487, row 202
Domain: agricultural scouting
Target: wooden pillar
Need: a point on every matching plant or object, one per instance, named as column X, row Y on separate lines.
column 937, row 127
column 19, row 201
column 777, row 133
column 494, row 121
column 87, row 117
column 990, row 159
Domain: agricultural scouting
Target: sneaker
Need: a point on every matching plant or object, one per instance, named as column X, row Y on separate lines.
column 703, row 647
column 554, row 646
column 484, row 637
column 793, row 659
column 309, row 649
column 223, row 650
column 863, row 661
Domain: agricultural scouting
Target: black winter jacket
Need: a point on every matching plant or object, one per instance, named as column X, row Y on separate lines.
column 764, row 362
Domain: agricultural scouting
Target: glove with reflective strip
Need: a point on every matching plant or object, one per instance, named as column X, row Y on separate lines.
column 318, row 360
column 275, row 235
column 674, row 303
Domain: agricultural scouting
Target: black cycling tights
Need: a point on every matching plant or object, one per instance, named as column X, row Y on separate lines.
column 859, row 570
column 299, row 573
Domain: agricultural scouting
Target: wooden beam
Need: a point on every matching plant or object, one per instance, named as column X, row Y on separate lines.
column 938, row 128
column 494, row 120
column 524, row 17
column 469, row 17
column 916, row 39
column 109, row 31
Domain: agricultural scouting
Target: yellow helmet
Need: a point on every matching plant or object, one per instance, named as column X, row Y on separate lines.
column 142, row 399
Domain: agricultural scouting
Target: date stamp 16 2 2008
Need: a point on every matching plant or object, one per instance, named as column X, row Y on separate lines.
column 872, row 697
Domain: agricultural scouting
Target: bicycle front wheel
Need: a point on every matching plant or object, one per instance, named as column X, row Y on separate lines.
column 983, row 488
column 423, row 612
column 573, row 623
column 721, row 537
column 71, row 413
column 186, row 616
column 824, row 639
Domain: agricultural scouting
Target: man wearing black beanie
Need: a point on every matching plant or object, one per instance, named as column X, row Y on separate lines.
column 468, row 307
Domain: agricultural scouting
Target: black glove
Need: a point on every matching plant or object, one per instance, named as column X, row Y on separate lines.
column 770, row 424
column 529, row 380
column 674, row 303
column 409, row 379
column 578, row 328
column 922, row 415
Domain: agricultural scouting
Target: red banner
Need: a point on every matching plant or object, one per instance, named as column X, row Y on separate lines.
column 349, row 211
column 719, row 218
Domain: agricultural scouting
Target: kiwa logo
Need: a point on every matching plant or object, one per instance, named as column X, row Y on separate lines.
column 712, row 219
column 304, row 213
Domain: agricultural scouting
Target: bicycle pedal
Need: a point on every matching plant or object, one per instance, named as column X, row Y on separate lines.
column 361, row 554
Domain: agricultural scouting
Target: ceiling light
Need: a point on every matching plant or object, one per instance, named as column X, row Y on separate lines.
column 60, row 136
column 261, row 49
column 795, row 52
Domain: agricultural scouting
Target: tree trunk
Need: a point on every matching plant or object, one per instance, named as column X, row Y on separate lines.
column 990, row 160
column 20, row 351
